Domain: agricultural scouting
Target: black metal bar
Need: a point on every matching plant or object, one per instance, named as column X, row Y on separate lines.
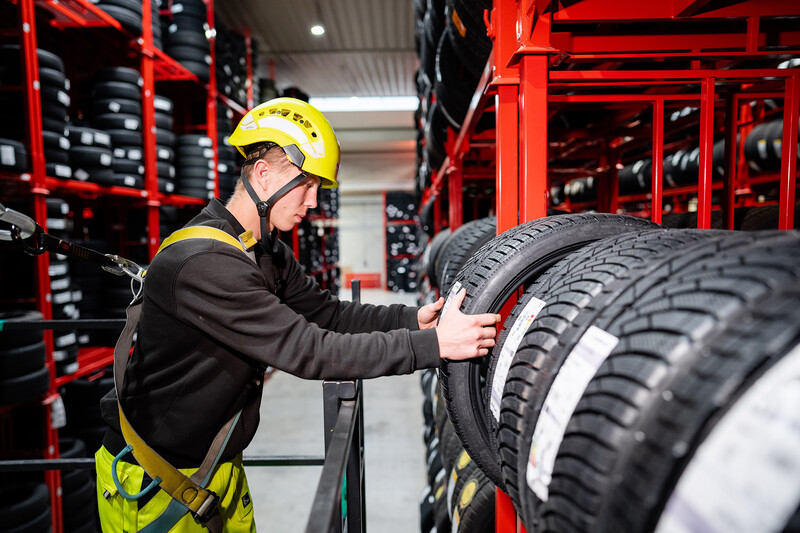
column 87, row 463
column 326, row 509
column 103, row 323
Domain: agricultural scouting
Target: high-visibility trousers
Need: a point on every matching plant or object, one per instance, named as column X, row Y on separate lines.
column 118, row 515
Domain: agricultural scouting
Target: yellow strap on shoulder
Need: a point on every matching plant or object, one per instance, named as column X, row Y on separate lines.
column 201, row 232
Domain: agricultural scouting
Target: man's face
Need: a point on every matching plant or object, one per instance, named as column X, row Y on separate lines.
column 292, row 207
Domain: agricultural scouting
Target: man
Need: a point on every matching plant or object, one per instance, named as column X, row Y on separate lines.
column 215, row 314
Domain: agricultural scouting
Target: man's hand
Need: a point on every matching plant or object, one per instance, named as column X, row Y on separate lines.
column 463, row 336
column 427, row 315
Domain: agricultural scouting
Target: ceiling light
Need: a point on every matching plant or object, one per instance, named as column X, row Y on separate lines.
column 317, row 29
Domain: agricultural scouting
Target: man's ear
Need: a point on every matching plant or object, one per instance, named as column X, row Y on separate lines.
column 261, row 173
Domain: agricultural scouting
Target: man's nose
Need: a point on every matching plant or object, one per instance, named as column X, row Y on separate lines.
column 311, row 198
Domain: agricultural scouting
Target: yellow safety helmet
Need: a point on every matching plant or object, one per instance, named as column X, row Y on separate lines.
column 300, row 129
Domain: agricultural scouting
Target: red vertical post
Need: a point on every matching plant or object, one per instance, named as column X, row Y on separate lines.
column 791, row 107
column 507, row 103
column 30, row 63
column 211, row 109
column 149, row 132
column 731, row 156
column 706, row 146
column 504, row 512
column 533, row 137
column 455, row 188
column 656, row 203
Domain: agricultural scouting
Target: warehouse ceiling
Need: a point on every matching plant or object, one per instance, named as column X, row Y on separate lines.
column 367, row 50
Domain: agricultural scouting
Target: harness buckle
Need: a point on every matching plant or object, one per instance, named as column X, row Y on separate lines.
column 208, row 510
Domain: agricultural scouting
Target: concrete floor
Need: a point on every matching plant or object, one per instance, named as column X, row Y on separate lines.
column 291, row 424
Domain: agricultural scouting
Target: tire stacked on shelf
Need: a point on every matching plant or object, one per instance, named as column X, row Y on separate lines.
column 231, row 63
column 581, row 190
column 82, row 406
column 127, row 12
column 23, row 375
column 403, row 248
column 25, row 507
column 155, row 8
column 455, row 84
column 91, row 155
column 459, row 248
column 227, row 167
column 78, row 499
column 185, row 40
column 467, row 33
column 762, row 147
column 117, row 109
column 13, row 156
column 165, row 144
column 55, row 103
column 195, row 166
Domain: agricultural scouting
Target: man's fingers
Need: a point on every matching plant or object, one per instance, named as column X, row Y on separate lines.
column 458, row 299
column 486, row 319
column 439, row 303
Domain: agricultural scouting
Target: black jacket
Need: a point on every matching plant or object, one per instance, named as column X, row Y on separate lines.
column 211, row 321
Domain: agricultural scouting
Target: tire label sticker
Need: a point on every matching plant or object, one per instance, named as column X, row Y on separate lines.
column 65, row 340
column 63, row 171
column 63, row 142
column 114, row 107
column 61, row 298
column 134, row 154
column 513, row 340
column 745, row 476
column 163, row 153
column 87, row 138
column 453, row 291
column 105, row 160
column 568, row 386
column 205, row 141
column 7, row 156
column 63, row 98
column 102, row 138
column 129, row 181
column 58, row 284
column 162, row 105
column 58, row 415
column 761, row 145
column 131, row 124
column 81, row 174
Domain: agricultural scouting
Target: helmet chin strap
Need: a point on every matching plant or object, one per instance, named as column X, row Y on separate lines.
column 270, row 241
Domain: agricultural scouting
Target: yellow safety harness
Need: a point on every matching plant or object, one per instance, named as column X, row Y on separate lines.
column 188, row 493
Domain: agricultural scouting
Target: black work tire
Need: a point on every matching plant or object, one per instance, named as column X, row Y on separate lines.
column 23, row 337
column 22, row 360
column 440, row 513
column 118, row 121
column 697, row 400
column 510, row 261
column 117, row 89
column 126, row 138
column 105, row 106
column 123, row 74
column 25, row 388
column 473, row 504
column 163, row 121
column 463, row 244
column 470, row 39
column 130, row 20
column 194, row 174
column 186, row 38
column 91, row 156
column 82, row 136
column 449, row 445
column 20, row 504
column 165, row 137
column 17, row 150
column 194, row 139
column 193, row 151
column 567, row 288
column 433, row 253
column 195, row 192
column 454, row 85
column 199, row 69
column 163, row 104
column 198, row 163
column 649, row 316
column 188, row 53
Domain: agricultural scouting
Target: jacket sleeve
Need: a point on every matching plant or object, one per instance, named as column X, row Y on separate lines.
column 239, row 312
column 306, row 297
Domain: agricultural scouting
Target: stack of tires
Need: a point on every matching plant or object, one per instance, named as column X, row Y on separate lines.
column 165, row 147
column 23, row 376
column 185, row 39
column 55, row 103
column 26, row 507
column 231, row 63
column 195, row 166
column 645, row 379
column 227, row 166
column 763, row 146
column 116, row 109
column 127, row 12
column 78, row 496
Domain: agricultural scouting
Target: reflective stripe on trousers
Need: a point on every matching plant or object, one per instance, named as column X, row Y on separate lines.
column 118, row 515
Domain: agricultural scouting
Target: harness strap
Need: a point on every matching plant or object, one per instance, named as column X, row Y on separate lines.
column 188, row 493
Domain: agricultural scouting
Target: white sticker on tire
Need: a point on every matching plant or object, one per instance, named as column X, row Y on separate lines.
column 578, row 369
column 453, row 291
column 7, row 156
column 514, row 338
column 58, row 414
column 745, row 476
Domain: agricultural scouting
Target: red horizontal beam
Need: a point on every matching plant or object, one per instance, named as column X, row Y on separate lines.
column 636, row 10
column 694, row 75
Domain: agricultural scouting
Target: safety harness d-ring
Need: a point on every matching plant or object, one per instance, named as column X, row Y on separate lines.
column 125, row 494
